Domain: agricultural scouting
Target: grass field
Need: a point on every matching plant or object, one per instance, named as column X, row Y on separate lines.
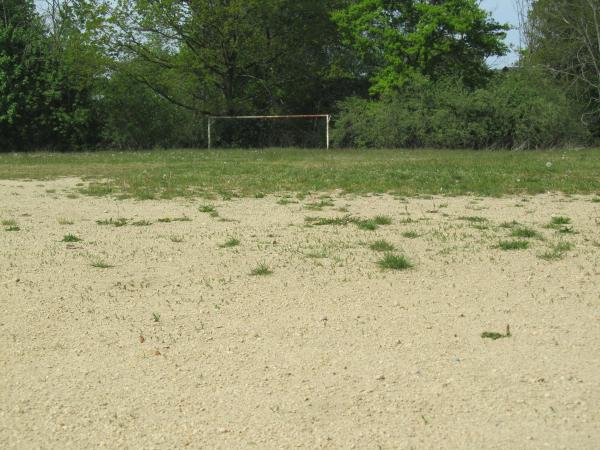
column 175, row 173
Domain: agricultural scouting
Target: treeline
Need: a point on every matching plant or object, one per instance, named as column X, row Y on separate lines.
column 84, row 74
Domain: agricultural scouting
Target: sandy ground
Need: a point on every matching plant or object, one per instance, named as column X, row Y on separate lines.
column 329, row 351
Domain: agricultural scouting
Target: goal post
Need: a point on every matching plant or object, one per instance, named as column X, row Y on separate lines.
column 327, row 117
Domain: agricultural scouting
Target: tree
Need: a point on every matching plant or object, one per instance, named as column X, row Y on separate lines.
column 396, row 39
column 22, row 68
column 47, row 78
column 236, row 56
column 564, row 38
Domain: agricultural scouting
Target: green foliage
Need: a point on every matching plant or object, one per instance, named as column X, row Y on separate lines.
column 518, row 109
column 136, row 117
column 46, row 80
column 397, row 40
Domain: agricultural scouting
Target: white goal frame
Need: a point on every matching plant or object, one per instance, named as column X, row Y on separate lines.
column 327, row 118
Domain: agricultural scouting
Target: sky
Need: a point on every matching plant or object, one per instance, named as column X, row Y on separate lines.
column 504, row 11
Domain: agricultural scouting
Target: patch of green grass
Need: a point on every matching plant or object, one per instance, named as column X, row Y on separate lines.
column 261, row 270
column 285, row 201
column 232, row 242
column 382, row 246
column 410, row 234
column 512, row 224
column 50, row 191
column 368, row 224
column 391, row 261
column 155, row 317
column 141, row 223
column 318, row 221
column 70, row 238
column 194, row 173
column 473, row 219
column 559, row 221
column 596, row 200
column 121, row 222
column 527, row 233
column 174, row 219
column 317, row 254
column 64, row 221
column 493, row 335
column 72, row 195
column 9, row 223
column 318, row 206
column 513, row 245
column 13, row 228
column 98, row 264
column 259, row 195
column 557, row 251
column 207, row 209
column 382, row 220
column 566, row 230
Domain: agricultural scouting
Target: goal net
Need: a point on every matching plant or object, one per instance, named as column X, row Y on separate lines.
column 306, row 130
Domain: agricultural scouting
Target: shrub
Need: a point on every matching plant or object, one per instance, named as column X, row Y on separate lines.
column 520, row 108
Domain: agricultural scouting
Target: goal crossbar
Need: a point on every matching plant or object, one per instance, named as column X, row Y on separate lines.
column 327, row 118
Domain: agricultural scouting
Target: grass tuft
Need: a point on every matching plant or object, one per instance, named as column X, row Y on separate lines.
column 121, row 222
column 318, row 221
column 64, row 221
column 141, row 223
column 382, row 220
column 174, row 219
column 512, row 224
column 368, row 225
column 493, row 335
column 9, row 223
column 318, row 206
column 524, row 232
column 392, row 261
column 207, row 209
column 285, row 201
column 261, row 270
column 558, row 221
column 557, row 251
column 101, row 265
column 71, row 238
column 230, row 243
column 410, row 234
column 473, row 219
column 513, row 245
column 382, row 246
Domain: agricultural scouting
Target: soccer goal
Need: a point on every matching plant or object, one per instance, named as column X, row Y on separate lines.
column 212, row 120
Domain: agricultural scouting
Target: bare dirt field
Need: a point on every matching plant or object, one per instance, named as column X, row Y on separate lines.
column 154, row 334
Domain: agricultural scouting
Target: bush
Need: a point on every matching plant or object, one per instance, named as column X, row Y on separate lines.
column 520, row 108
